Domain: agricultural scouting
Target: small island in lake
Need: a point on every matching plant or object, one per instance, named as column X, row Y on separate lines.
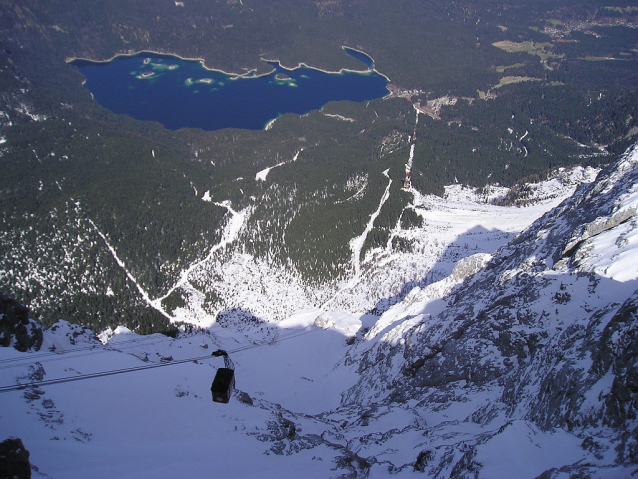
column 282, row 77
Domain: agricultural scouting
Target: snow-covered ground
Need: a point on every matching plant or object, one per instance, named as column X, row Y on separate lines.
column 161, row 422
column 461, row 224
column 289, row 418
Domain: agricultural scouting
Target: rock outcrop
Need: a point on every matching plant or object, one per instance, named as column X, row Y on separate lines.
column 14, row 460
column 16, row 328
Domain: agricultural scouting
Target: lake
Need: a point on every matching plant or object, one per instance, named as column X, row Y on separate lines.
column 182, row 93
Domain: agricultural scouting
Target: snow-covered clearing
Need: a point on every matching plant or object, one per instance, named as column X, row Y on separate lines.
column 263, row 174
column 229, row 234
column 356, row 244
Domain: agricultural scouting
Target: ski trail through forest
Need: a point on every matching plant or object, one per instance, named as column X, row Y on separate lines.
column 229, row 234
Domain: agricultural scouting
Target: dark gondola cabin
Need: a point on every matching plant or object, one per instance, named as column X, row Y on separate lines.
column 223, row 385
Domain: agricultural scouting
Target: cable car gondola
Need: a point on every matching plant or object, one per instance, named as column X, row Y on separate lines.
column 224, row 382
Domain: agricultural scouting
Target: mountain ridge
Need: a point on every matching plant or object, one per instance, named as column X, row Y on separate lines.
column 556, row 368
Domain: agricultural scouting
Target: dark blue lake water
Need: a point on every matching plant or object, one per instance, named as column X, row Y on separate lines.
column 182, row 93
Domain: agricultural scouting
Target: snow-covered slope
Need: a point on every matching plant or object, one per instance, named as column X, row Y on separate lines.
column 460, row 225
column 520, row 364
column 538, row 348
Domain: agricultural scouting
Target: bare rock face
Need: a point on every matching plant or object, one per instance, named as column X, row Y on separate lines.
column 16, row 328
column 617, row 354
column 14, row 460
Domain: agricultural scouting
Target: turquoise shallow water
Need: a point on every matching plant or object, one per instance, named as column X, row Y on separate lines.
column 181, row 93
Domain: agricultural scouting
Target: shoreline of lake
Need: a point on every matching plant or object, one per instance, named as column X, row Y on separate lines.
column 248, row 74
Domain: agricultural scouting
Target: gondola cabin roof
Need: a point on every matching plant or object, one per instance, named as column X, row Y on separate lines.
column 223, row 385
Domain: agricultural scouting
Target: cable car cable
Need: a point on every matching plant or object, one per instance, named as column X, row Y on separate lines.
column 112, row 372
column 48, row 382
column 84, row 348
column 68, row 354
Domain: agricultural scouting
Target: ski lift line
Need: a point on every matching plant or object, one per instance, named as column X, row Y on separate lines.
column 112, row 372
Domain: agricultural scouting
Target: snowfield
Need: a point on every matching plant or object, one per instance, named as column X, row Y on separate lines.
column 495, row 365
